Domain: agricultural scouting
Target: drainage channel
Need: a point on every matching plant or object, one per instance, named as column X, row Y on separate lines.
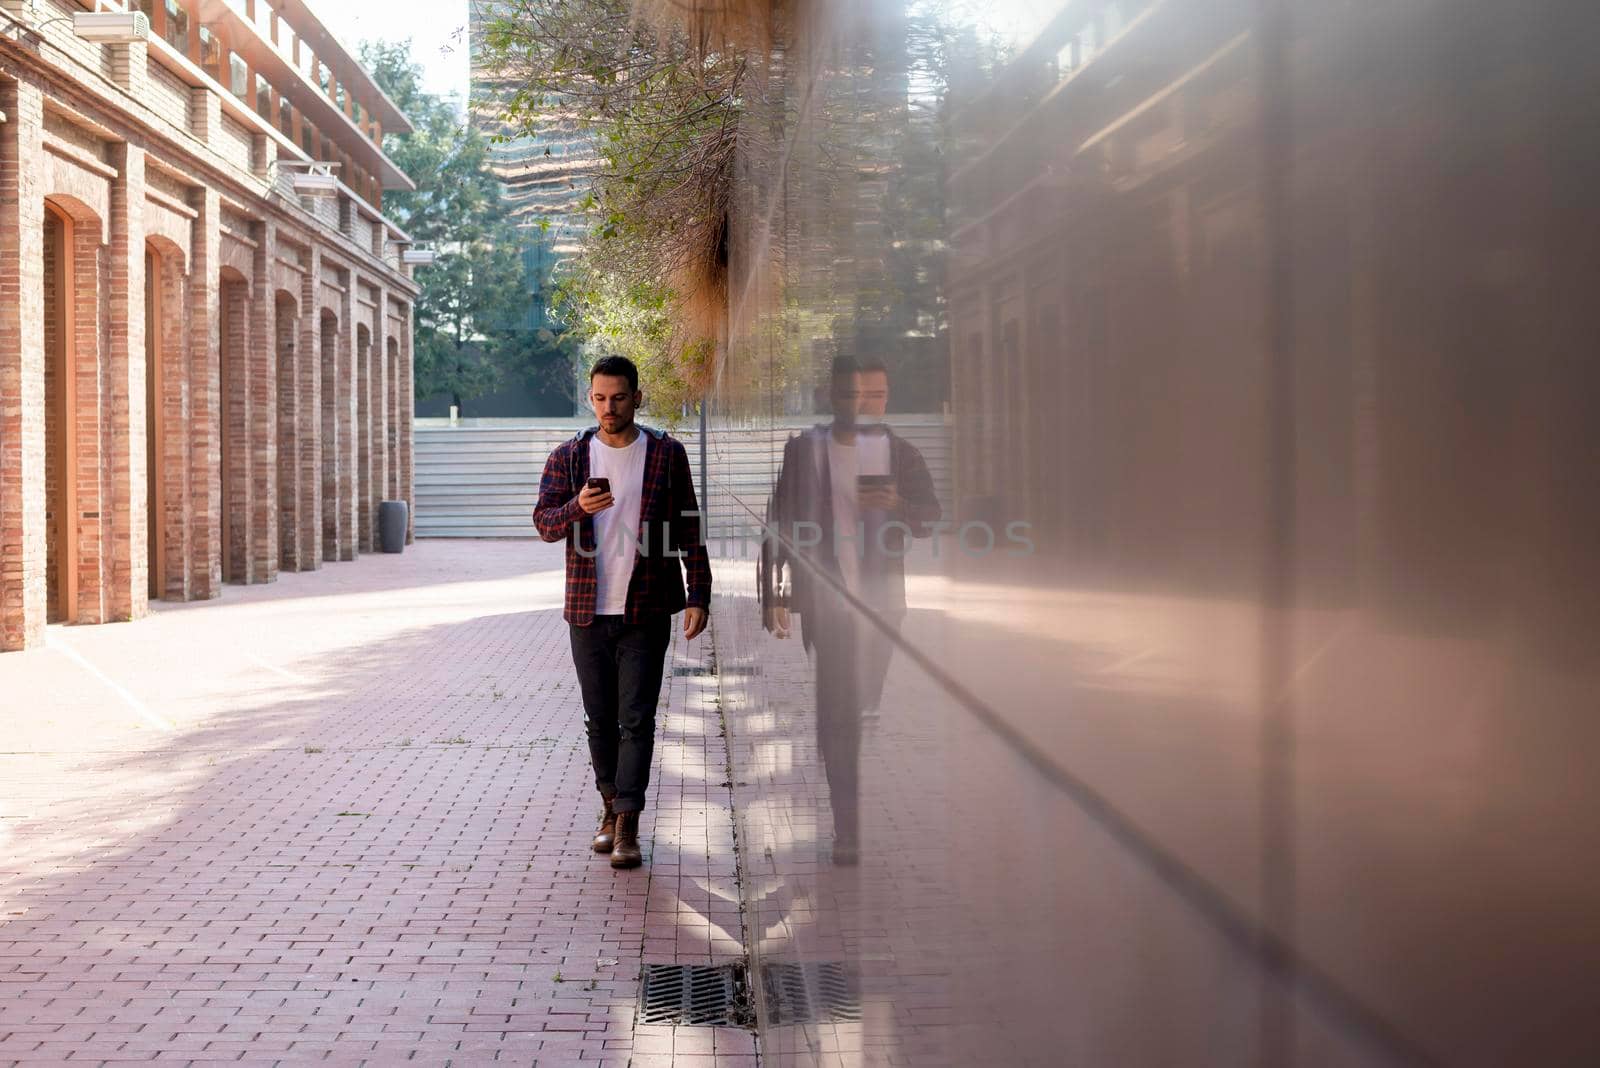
column 696, row 995
column 703, row 995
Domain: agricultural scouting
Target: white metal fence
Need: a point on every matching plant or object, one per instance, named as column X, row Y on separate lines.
column 481, row 481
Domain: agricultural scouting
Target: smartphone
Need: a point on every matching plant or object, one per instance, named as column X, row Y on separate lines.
column 597, row 483
column 866, row 482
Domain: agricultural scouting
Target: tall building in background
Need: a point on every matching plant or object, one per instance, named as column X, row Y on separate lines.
column 544, row 176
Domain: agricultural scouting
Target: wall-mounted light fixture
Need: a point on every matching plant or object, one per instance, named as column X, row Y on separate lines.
column 102, row 27
column 111, row 27
column 418, row 257
column 313, row 184
column 311, row 178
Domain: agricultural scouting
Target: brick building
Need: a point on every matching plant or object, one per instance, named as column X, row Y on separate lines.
column 205, row 319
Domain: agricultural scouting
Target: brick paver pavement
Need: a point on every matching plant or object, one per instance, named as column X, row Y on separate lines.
column 345, row 818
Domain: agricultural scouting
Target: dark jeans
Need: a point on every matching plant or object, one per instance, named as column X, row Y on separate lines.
column 852, row 659
column 619, row 671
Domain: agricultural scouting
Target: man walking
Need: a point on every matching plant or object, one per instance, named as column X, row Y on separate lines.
column 623, row 497
column 848, row 497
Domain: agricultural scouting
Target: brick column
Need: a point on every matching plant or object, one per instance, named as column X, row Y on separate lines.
column 22, row 504
column 286, row 345
column 366, row 506
column 334, row 429
column 408, row 411
column 309, row 417
column 205, row 389
column 263, row 424
column 130, row 67
column 380, row 406
column 263, row 151
column 233, row 361
column 126, row 559
column 345, row 415
column 172, row 350
column 205, row 115
column 393, row 383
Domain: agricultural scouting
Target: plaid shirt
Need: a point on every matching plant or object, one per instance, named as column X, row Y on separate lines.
column 804, row 495
column 668, row 513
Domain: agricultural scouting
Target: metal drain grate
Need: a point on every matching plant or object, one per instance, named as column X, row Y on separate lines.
column 690, row 670
column 740, row 670
column 809, row 992
column 693, row 994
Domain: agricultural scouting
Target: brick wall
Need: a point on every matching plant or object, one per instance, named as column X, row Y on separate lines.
column 75, row 136
column 312, row 418
column 326, row 210
column 53, row 21
column 162, row 182
column 166, row 95
column 234, row 142
column 361, row 230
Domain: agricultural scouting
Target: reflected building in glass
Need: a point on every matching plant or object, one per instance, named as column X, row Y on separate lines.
column 544, row 175
column 1240, row 704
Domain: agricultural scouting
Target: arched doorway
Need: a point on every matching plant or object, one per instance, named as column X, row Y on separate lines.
column 155, row 535
column 60, row 402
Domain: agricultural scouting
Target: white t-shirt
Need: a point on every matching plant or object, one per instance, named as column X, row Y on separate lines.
column 616, row 530
column 869, row 455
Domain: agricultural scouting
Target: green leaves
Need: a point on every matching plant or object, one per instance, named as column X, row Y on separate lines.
column 469, row 318
column 662, row 117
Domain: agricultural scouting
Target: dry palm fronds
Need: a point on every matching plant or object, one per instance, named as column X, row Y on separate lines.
column 717, row 25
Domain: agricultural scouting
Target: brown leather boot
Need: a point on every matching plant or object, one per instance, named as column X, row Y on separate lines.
column 606, row 836
column 625, row 854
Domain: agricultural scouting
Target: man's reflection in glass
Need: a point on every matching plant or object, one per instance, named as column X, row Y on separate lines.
column 849, row 497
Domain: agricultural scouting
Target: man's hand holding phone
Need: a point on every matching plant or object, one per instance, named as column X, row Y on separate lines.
column 595, row 496
column 878, row 492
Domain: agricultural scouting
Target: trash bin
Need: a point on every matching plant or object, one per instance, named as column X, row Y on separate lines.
column 392, row 525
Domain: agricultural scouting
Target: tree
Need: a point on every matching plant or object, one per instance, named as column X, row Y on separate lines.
column 651, row 282
column 467, row 340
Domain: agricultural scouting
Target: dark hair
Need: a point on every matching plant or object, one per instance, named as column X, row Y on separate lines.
column 849, row 365
column 616, row 366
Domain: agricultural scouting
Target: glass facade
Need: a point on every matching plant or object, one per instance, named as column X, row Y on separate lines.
column 1211, row 677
